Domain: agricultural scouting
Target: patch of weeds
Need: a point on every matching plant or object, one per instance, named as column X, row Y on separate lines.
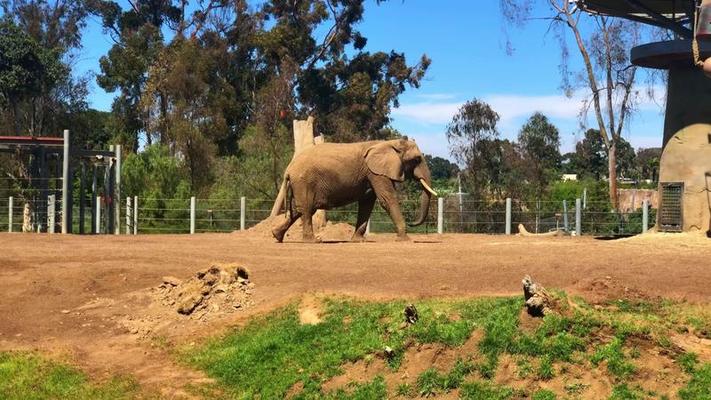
column 432, row 381
column 576, row 388
column 545, row 370
column 500, row 330
column 405, row 390
column 523, row 368
column 687, row 362
column 27, row 376
column 485, row 390
column 635, row 306
column 699, row 387
column 376, row 389
column 456, row 376
column 429, row 383
column 664, row 342
column 544, row 394
column 635, row 352
column 613, row 353
column 624, row 392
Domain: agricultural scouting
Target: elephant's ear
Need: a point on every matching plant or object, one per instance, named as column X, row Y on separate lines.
column 383, row 159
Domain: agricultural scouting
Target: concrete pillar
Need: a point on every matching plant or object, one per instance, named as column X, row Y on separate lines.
column 135, row 215
column 117, row 190
column 242, row 213
column 440, row 215
column 578, row 217
column 645, row 216
column 66, row 187
column 128, row 215
column 51, row 204
column 566, row 227
column 10, row 205
column 97, row 228
column 508, row 216
column 192, row 215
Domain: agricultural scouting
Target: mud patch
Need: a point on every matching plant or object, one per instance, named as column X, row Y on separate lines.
column 602, row 290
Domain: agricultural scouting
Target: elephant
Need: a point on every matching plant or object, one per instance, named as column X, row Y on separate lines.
column 337, row 174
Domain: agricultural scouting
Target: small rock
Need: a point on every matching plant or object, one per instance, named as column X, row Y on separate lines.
column 538, row 301
column 389, row 352
column 171, row 281
column 189, row 304
column 65, row 311
column 134, row 331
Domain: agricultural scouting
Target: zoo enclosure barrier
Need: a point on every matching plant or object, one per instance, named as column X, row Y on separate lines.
column 449, row 214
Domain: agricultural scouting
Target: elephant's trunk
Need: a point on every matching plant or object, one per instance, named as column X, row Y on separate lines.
column 424, row 208
column 422, row 174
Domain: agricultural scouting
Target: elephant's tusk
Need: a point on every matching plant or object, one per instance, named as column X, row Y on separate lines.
column 428, row 188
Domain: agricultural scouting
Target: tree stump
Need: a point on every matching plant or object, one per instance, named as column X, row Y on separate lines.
column 538, row 302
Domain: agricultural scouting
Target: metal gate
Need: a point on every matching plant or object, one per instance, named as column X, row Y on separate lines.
column 671, row 209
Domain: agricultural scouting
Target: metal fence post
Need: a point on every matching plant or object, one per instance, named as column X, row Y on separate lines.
column 508, row 215
column 135, row 215
column 566, row 227
column 128, row 215
column 10, row 206
column 242, row 213
column 192, row 215
column 66, row 187
column 117, row 189
column 50, row 213
column 97, row 228
column 440, row 215
column 645, row 216
column 578, row 217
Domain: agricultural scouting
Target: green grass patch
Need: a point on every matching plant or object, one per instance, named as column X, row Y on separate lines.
column 617, row 363
column 27, row 376
column 271, row 353
column 699, row 387
column 485, row 390
column 544, row 394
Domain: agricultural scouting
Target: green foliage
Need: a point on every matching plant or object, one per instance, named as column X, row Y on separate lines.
column 544, row 394
column 485, row 390
column 699, row 387
column 688, row 361
column 373, row 390
column 624, row 392
column 25, row 376
column 540, row 141
column 441, row 168
column 545, row 369
column 613, row 353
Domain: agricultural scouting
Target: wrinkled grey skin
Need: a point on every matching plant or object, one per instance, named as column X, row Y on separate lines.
column 333, row 175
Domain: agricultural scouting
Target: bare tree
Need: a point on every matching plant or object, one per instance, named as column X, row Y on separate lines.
column 608, row 76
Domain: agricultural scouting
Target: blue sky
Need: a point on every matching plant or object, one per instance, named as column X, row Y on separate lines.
column 466, row 42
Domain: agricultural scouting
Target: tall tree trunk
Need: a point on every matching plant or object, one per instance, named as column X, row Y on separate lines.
column 15, row 118
column 612, row 172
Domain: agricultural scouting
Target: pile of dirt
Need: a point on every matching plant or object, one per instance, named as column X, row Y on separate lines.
column 333, row 231
column 216, row 290
column 682, row 239
column 601, row 291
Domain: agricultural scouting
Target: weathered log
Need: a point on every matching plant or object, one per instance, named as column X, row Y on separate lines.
column 523, row 232
column 538, row 302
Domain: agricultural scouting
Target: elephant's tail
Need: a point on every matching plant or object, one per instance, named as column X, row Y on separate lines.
column 288, row 199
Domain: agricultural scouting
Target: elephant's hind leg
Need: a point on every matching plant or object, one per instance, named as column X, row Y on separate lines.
column 307, row 223
column 365, row 208
column 281, row 230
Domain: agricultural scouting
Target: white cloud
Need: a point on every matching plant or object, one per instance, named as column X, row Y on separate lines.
column 428, row 112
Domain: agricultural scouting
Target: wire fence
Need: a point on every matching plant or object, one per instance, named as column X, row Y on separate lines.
column 454, row 214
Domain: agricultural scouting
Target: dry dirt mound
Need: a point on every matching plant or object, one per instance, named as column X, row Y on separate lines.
column 606, row 289
column 333, row 231
column 217, row 289
column 682, row 239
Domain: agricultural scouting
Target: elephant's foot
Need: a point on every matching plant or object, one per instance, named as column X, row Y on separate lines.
column 311, row 239
column 402, row 238
column 358, row 238
column 278, row 235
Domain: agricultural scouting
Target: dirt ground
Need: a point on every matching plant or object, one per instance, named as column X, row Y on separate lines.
column 87, row 298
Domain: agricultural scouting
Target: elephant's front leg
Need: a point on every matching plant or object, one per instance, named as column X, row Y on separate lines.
column 385, row 191
column 365, row 208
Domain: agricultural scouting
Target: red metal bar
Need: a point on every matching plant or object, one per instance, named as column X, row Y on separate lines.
column 32, row 139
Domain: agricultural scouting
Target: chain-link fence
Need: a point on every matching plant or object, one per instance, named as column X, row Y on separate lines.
column 452, row 214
